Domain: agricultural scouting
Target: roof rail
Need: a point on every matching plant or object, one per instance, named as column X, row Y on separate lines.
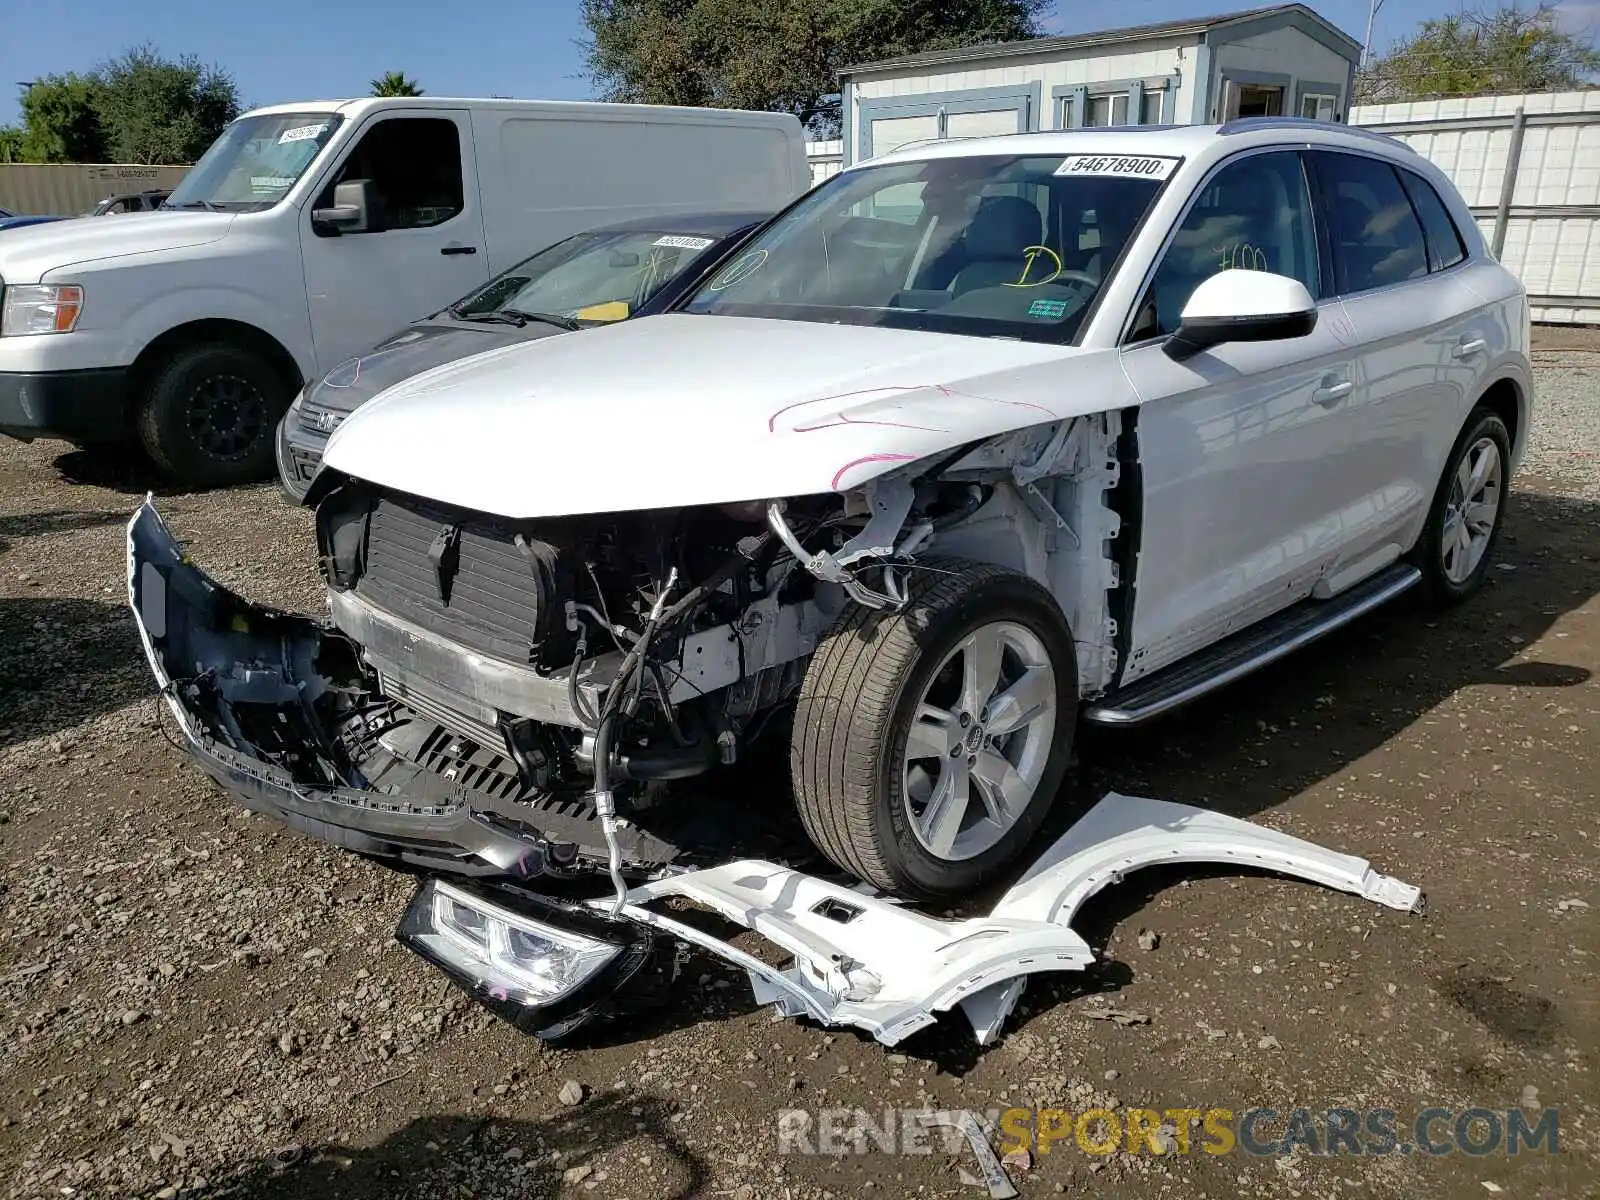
column 1251, row 124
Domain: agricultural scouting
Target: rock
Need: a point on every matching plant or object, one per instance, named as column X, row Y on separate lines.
column 571, row 1092
column 578, row 1174
column 1530, row 1098
column 1113, row 1075
column 167, row 1193
column 1018, row 1158
column 132, row 1017
column 1268, row 1043
column 744, row 1192
column 1149, row 939
column 514, row 1153
column 286, row 1042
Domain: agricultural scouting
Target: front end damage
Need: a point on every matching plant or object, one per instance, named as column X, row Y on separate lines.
column 376, row 732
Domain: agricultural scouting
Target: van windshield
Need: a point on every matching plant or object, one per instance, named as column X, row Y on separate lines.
column 994, row 245
column 255, row 162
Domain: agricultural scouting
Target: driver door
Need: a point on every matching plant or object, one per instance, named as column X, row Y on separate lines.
column 424, row 247
column 1239, row 446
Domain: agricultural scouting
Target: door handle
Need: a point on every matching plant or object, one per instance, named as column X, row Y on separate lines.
column 1467, row 349
column 458, row 250
column 1330, row 392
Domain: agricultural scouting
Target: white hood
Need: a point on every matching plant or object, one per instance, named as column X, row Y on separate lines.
column 680, row 410
column 29, row 253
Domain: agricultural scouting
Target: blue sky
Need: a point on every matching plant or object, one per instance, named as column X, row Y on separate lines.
column 311, row 49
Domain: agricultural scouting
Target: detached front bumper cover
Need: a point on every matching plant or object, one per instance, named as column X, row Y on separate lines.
column 868, row 962
column 243, row 682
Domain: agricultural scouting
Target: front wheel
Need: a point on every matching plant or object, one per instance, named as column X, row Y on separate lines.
column 929, row 743
column 1468, row 511
column 209, row 415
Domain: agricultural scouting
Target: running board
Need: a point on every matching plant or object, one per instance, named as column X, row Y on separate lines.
column 1249, row 650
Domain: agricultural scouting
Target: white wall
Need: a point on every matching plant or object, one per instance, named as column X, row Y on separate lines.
column 1555, row 253
column 1096, row 64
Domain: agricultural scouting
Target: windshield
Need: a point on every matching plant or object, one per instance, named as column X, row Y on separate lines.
column 255, row 162
column 1006, row 246
column 591, row 276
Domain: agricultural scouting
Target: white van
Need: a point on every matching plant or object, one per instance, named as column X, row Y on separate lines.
column 310, row 231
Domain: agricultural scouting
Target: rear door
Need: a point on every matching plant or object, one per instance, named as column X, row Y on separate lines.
column 425, row 247
column 1398, row 263
column 1239, row 447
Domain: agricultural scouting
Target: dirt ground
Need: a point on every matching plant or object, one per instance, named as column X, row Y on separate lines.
column 194, row 1002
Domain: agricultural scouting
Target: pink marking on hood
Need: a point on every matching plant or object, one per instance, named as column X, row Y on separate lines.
column 870, row 458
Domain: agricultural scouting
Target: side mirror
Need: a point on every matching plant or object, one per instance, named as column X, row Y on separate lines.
column 351, row 211
column 1242, row 306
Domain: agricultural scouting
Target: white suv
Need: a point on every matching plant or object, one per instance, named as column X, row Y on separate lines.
column 977, row 439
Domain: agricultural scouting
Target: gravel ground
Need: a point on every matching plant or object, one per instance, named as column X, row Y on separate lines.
column 194, row 1002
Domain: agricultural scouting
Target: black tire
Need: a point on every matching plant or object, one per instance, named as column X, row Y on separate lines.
column 1438, row 588
column 862, row 688
column 209, row 413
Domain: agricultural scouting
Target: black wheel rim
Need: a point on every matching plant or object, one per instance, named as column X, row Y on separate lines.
column 227, row 416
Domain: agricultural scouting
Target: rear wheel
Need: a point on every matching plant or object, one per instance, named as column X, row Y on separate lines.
column 929, row 743
column 1468, row 511
column 210, row 412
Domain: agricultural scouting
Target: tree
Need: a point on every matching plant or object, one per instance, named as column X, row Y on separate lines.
column 155, row 110
column 1505, row 51
column 61, row 120
column 781, row 55
column 395, row 83
column 10, row 144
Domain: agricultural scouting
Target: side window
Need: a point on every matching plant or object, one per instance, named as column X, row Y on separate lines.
column 414, row 166
column 1444, row 239
column 1377, row 239
column 1255, row 215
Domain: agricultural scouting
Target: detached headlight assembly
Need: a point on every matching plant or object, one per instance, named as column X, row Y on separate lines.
column 544, row 967
column 40, row 308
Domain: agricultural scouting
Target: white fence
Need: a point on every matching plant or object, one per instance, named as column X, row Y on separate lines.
column 826, row 158
column 1528, row 165
column 1530, row 168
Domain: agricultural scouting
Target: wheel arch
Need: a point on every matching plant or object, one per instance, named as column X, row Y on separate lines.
column 1507, row 398
column 214, row 330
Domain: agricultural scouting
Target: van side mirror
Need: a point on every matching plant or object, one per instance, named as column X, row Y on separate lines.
column 1242, row 306
column 351, row 211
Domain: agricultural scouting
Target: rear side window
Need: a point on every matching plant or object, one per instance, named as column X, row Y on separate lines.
column 1444, row 239
column 1377, row 239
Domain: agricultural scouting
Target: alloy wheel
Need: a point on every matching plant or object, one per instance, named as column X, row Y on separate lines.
column 979, row 741
column 1471, row 510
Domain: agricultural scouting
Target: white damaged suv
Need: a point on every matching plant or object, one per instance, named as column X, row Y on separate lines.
column 976, row 440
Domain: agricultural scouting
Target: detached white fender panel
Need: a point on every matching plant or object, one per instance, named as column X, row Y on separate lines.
column 873, row 964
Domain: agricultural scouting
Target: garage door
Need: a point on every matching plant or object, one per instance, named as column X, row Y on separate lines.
column 888, row 122
column 983, row 124
column 890, row 133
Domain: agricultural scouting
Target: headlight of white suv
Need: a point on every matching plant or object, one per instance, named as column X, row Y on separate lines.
column 40, row 308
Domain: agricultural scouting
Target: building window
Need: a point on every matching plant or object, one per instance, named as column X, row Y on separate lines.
column 1101, row 111
column 1150, row 107
column 1315, row 107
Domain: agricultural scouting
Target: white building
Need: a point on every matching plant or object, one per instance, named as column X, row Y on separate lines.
column 1280, row 61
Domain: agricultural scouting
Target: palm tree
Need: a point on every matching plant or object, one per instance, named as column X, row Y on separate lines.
column 395, row 83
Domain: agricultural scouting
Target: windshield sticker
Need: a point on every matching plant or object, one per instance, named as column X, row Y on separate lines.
column 301, row 133
column 1142, row 167
column 271, row 183
column 1052, row 310
column 684, row 241
column 740, row 270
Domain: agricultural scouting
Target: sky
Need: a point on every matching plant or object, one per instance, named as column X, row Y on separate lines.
column 287, row 50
